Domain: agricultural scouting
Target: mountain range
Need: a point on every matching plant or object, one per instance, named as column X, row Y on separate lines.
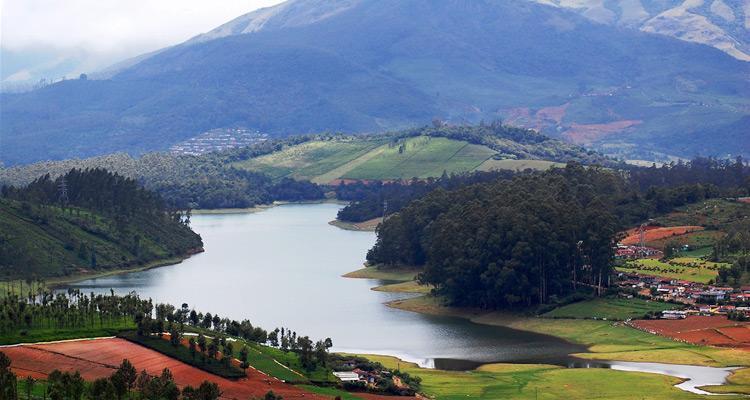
column 724, row 24
column 373, row 65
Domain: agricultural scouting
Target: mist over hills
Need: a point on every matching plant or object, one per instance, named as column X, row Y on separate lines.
column 366, row 65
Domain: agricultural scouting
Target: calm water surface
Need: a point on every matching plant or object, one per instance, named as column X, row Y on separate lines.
column 283, row 267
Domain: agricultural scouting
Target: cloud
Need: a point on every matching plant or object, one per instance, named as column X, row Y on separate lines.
column 113, row 26
column 22, row 75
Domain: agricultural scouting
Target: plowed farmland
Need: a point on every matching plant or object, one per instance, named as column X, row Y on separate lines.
column 714, row 330
column 99, row 358
column 653, row 233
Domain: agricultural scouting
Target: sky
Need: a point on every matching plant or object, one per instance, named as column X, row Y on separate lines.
column 45, row 38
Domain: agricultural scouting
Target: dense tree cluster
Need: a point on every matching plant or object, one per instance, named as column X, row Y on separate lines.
column 90, row 219
column 512, row 142
column 508, row 243
column 94, row 189
column 526, row 240
column 732, row 177
column 207, row 181
column 370, row 200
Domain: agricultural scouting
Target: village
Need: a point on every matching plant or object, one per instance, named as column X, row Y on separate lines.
column 697, row 298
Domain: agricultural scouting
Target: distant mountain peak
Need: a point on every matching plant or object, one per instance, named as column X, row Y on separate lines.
column 723, row 24
column 289, row 14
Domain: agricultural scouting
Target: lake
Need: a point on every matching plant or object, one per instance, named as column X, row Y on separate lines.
column 283, row 266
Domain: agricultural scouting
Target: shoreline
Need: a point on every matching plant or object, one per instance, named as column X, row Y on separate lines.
column 58, row 282
column 261, row 207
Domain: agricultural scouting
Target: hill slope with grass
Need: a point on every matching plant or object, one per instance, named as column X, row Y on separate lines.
column 42, row 239
column 418, row 153
column 374, row 65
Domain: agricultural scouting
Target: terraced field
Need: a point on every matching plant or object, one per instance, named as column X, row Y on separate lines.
column 326, row 161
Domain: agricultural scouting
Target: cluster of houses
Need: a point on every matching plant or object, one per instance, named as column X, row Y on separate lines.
column 701, row 299
column 625, row 252
column 370, row 378
column 218, row 140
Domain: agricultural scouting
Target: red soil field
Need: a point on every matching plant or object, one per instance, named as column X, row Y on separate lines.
column 99, row 358
column 714, row 330
column 658, row 233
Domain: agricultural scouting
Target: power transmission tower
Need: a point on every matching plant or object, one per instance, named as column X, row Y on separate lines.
column 62, row 189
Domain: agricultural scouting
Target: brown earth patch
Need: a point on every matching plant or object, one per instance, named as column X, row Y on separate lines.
column 658, row 233
column 99, row 358
column 703, row 330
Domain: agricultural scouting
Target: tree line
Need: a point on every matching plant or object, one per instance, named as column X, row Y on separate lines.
column 670, row 184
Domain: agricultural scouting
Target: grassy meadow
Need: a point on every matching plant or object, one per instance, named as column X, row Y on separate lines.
column 532, row 381
column 609, row 308
column 323, row 161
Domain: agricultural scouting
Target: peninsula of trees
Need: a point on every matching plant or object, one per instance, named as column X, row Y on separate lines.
column 537, row 237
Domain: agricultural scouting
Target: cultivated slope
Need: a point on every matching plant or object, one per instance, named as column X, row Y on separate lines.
column 426, row 152
column 367, row 65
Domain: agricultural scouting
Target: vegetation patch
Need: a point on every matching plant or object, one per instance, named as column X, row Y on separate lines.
column 683, row 268
column 183, row 354
column 421, row 157
column 609, row 308
column 400, row 274
column 533, row 381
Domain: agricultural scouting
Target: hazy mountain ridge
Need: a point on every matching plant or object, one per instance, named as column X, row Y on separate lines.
column 724, row 24
column 367, row 65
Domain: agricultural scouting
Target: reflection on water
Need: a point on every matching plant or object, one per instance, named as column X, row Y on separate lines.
column 283, row 267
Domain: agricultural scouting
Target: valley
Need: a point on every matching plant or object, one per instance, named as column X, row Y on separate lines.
column 375, row 200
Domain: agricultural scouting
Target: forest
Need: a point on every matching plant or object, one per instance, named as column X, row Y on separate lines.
column 87, row 220
column 528, row 240
column 711, row 177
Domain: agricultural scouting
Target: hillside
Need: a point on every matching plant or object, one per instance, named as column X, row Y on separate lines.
column 418, row 153
column 722, row 24
column 367, row 66
column 39, row 238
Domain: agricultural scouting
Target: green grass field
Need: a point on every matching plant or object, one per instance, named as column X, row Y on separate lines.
column 606, row 340
column 531, row 381
column 684, row 268
column 274, row 362
column 324, row 161
column 422, row 157
column 609, row 308
column 311, row 159
column 386, row 274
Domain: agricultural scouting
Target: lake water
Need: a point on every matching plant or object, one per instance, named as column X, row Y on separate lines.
column 283, row 267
